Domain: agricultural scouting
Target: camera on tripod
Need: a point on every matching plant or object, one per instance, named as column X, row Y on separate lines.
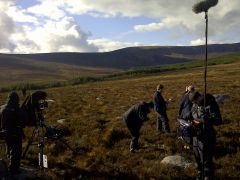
column 42, row 104
column 33, row 106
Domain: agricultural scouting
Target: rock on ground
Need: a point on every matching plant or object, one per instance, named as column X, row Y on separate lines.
column 176, row 160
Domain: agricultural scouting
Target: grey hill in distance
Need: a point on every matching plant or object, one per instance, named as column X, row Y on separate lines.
column 45, row 67
column 127, row 57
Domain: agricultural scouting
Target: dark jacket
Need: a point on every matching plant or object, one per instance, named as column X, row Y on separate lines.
column 185, row 107
column 137, row 114
column 12, row 117
column 210, row 115
column 159, row 103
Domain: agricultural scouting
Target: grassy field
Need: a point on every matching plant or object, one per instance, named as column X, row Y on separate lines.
column 92, row 114
column 15, row 70
column 96, row 75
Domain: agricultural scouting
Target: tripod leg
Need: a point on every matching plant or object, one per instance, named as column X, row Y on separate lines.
column 41, row 153
column 29, row 143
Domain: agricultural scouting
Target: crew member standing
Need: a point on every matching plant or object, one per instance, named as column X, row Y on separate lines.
column 160, row 106
column 186, row 104
column 12, row 123
column 204, row 136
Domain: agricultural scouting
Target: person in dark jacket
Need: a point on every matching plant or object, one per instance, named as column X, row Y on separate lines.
column 12, row 123
column 134, row 119
column 186, row 104
column 204, row 139
column 160, row 106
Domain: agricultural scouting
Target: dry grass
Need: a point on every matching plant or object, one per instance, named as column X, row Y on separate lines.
column 20, row 70
column 92, row 114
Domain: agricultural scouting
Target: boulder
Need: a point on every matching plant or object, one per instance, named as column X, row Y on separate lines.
column 176, row 160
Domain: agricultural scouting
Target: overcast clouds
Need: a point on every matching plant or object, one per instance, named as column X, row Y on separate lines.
column 53, row 25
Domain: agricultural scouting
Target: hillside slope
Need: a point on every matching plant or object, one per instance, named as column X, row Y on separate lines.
column 134, row 56
column 39, row 68
column 93, row 117
column 15, row 69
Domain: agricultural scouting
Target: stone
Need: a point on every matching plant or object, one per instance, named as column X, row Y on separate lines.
column 61, row 121
column 176, row 160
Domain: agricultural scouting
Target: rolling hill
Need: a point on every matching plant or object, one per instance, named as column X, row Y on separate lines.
column 18, row 68
column 134, row 56
column 14, row 69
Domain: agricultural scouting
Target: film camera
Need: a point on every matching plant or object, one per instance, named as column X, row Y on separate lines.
column 33, row 106
column 42, row 104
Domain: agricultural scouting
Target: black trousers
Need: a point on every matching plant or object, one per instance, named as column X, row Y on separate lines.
column 162, row 123
column 203, row 149
column 134, row 127
column 14, row 152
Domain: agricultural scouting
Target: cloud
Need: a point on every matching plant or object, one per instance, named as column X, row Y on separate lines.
column 55, row 36
column 50, row 9
column 223, row 19
column 201, row 41
column 105, row 45
column 40, row 35
column 20, row 15
column 7, row 27
column 166, row 23
column 131, row 8
column 51, row 25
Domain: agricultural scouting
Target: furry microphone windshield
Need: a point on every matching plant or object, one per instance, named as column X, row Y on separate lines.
column 203, row 6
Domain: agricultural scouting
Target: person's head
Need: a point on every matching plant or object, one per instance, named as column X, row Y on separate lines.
column 13, row 98
column 196, row 98
column 160, row 87
column 190, row 89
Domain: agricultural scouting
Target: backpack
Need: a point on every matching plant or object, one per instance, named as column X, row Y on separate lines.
column 213, row 111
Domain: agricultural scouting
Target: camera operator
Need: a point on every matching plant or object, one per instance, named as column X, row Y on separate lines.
column 12, row 123
column 204, row 138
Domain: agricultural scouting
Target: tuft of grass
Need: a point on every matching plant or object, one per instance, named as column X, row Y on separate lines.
column 112, row 136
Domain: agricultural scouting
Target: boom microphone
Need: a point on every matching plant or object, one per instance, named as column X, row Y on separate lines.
column 203, row 6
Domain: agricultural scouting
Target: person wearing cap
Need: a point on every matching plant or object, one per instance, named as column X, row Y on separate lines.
column 186, row 104
column 204, row 136
column 12, row 123
column 134, row 118
column 160, row 106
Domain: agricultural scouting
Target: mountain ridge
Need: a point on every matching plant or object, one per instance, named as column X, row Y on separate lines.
column 132, row 57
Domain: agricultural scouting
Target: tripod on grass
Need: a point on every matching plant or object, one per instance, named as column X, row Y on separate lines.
column 43, row 133
column 39, row 133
